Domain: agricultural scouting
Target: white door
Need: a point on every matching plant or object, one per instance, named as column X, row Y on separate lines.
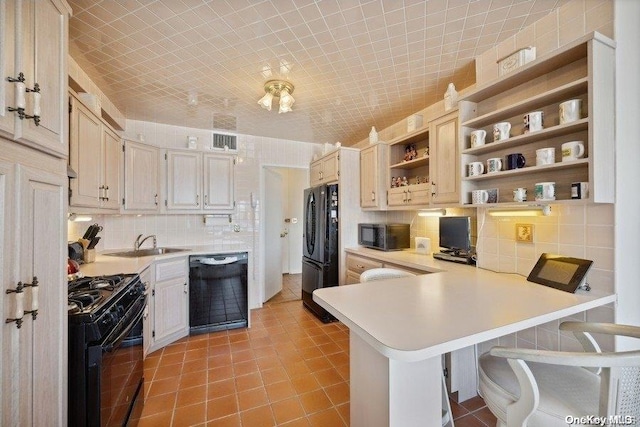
column 274, row 229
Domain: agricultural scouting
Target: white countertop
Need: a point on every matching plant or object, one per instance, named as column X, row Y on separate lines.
column 410, row 258
column 106, row 265
column 415, row 318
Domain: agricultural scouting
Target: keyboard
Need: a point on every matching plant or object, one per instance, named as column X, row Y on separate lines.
column 452, row 258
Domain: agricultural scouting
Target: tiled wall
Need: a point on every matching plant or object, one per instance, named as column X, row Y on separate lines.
column 569, row 22
column 582, row 231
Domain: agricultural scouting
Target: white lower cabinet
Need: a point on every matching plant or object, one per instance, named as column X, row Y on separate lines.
column 33, row 358
column 147, row 279
column 169, row 306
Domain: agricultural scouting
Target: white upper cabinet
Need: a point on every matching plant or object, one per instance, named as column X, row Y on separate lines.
column 201, row 182
column 184, row 180
column 445, row 167
column 33, row 55
column 141, row 182
column 219, row 183
column 325, row 170
column 95, row 152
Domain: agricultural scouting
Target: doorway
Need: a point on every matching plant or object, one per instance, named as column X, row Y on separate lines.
column 283, row 225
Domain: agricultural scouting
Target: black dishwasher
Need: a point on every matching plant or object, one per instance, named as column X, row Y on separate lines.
column 218, row 297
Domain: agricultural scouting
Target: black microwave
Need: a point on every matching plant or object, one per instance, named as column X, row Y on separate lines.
column 384, row 237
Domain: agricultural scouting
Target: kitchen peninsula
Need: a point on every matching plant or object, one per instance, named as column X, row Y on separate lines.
column 401, row 327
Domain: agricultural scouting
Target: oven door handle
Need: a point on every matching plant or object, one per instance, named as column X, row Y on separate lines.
column 109, row 345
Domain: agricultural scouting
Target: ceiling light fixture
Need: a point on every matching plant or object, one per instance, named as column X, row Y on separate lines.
column 281, row 89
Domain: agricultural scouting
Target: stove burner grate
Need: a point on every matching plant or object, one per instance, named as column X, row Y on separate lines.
column 82, row 299
column 99, row 282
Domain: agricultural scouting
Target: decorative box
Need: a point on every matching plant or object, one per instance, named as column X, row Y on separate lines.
column 516, row 60
column 414, row 122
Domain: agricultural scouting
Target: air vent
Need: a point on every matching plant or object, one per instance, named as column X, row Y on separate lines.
column 224, row 142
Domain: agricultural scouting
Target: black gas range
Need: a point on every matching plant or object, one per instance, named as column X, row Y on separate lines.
column 105, row 349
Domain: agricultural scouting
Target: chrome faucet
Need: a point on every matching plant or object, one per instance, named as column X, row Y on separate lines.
column 138, row 242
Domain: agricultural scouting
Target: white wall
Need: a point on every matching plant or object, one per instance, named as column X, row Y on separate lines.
column 295, row 180
column 627, row 272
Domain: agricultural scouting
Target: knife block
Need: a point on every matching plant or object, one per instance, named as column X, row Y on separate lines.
column 89, row 255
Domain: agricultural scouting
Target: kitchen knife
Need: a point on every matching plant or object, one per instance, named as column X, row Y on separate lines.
column 93, row 243
column 96, row 229
column 88, row 232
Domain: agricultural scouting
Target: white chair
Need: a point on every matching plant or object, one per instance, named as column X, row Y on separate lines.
column 392, row 273
column 382, row 274
column 539, row 388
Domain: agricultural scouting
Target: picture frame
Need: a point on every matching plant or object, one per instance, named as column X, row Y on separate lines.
column 524, row 233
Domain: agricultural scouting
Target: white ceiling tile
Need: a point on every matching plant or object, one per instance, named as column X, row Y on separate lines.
column 385, row 58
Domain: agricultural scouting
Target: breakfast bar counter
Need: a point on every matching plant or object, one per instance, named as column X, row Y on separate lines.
column 401, row 327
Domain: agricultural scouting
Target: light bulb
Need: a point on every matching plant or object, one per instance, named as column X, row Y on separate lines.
column 286, row 101
column 265, row 101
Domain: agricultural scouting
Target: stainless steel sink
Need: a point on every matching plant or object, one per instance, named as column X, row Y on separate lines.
column 146, row 252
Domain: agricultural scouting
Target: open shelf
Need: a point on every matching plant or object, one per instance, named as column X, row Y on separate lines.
column 529, row 170
column 411, row 137
column 528, row 203
column 560, row 93
column 530, row 137
column 411, row 164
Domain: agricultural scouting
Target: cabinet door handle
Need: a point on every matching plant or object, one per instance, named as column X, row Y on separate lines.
column 206, row 200
column 155, row 199
column 408, row 195
column 373, row 196
column 197, row 200
column 360, row 266
column 185, row 289
column 106, row 193
column 433, row 188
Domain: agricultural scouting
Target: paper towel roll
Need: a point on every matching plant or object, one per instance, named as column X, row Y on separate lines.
column 423, row 245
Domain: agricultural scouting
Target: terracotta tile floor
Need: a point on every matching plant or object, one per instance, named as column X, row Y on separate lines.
column 288, row 369
column 291, row 289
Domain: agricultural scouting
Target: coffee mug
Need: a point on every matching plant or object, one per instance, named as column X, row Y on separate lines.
column 501, row 131
column 479, row 197
column 520, row 194
column 515, row 161
column 475, row 168
column 570, row 111
column 533, row 121
column 545, row 191
column 494, row 165
column 579, row 190
column 545, row 156
column 477, row 138
column 572, row 150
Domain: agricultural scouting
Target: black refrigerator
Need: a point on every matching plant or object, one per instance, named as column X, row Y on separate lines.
column 320, row 245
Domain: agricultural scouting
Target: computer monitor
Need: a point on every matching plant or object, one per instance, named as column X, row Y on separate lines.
column 455, row 233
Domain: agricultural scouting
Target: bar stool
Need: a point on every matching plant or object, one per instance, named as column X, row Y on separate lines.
column 393, row 273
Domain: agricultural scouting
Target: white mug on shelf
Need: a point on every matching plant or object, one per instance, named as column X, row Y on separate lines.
column 533, row 121
column 479, row 197
column 545, row 191
column 494, row 165
column 501, row 131
column 545, row 156
column 520, row 194
column 477, row 138
column 570, row 111
column 475, row 168
column 572, row 150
